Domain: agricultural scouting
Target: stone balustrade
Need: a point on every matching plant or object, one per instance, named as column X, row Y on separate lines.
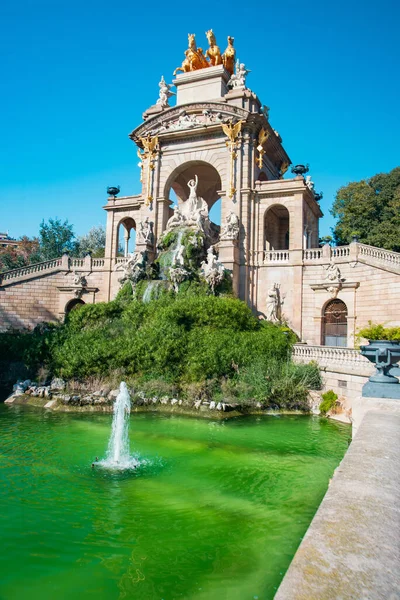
column 379, row 254
column 63, row 263
column 333, row 358
column 36, row 269
column 276, row 256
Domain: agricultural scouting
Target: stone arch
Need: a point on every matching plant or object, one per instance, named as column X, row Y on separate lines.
column 276, row 227
column 334, row 323
column 210, row 181
column 73, row 304
column 126, row 236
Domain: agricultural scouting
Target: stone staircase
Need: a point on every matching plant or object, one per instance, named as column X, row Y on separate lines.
column 64, row 263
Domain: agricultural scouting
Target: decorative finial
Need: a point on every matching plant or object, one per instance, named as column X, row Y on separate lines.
column 113, row 191
column 300, row 169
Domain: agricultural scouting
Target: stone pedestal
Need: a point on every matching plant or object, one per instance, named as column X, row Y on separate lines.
column 149, row 248
column 229, row 257
column 201, row 85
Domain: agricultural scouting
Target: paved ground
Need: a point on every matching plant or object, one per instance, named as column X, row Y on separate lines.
column 352, row 548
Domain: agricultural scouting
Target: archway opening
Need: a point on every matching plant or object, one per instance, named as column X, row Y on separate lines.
column 334, row 324
column 209, row 184
column 74, row 304
column 126, row 237
column 276, row 228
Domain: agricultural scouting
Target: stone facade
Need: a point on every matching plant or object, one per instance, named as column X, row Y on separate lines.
column 224, row 137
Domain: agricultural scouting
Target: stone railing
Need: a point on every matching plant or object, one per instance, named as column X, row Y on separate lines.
column 312, row 254
column 121, row 260
column 34, row 270
column 340, row 251
column 379, row 254
column 333, row 358
column 276, row 256
column 63, row 263
column 98, row 263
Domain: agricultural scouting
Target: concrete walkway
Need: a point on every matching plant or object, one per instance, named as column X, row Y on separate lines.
column 351, row 550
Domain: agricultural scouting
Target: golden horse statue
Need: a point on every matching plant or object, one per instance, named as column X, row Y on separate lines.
column 228, row 57
column 195, row 58
column 213, row 53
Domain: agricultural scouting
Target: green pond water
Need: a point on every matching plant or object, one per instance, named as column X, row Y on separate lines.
column 216, row 510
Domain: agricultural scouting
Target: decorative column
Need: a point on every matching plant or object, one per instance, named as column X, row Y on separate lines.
column 127, row 236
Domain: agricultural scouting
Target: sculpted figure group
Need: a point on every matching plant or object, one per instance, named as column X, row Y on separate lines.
column 195, row 58
column 193, row 212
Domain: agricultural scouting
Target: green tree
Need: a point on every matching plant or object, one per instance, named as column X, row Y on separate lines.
column 94, row 242
column 369, row 209
column 55, row 238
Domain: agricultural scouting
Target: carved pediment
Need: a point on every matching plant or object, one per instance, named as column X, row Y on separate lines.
column 189, row 117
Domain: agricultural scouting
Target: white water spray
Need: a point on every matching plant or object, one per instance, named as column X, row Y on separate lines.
column 118, row 456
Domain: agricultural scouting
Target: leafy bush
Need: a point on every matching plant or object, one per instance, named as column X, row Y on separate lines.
column 329, row 400
column 191, row 342
column 379, row 332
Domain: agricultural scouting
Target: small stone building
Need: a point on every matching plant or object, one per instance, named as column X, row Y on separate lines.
column 220, row 131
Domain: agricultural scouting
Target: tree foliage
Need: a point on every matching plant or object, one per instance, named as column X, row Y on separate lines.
column 94, row 242
column 369, row 209
column 55, row 238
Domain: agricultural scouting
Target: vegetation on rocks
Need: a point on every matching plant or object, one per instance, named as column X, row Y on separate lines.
column 329, row 400
column 192, row 344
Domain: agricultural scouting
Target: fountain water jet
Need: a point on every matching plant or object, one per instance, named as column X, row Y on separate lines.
column 118, row 456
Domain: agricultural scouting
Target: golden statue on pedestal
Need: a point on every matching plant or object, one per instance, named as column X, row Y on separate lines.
column 213, row 53
column 195, row 58
column 228, row 57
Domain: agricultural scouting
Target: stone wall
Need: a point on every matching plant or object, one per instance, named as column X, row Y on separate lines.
column 42, row 296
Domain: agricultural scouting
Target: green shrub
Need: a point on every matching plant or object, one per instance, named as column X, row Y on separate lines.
column 329, row 400
column 192, row 342
column 376, row 331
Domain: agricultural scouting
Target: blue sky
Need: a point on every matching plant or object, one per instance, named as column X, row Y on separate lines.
column 76, row 77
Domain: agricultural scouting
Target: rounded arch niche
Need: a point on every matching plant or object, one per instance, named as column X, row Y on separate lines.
column 209, row 185
column 126, row 237
column 276, row 228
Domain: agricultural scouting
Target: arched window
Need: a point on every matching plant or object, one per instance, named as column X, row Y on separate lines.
column 334, row 324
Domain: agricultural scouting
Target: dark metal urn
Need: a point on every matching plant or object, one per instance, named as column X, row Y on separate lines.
column 300, row 169
column 113, row 190
column 318, row 196
column 385, row 355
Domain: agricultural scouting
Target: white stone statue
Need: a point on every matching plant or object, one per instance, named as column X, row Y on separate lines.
column 193, row 212
column 274, row 304
column 134, row 268
column 212, row 270
column 165, row 93
column 176, row 220
column 230, row 230
column 309, row 183
column 145, row 233
column 238, row 79
column 177, row 275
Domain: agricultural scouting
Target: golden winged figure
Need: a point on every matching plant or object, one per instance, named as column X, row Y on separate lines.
column 232, row 131
column 149, row 143
column 262, row 138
